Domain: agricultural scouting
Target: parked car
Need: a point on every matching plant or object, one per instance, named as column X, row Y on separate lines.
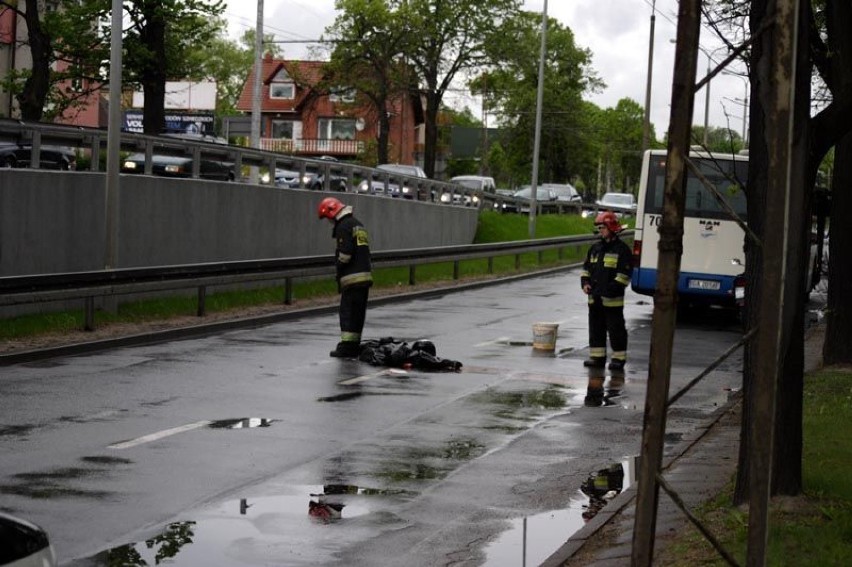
column 564, row 192
column 522, row 198
column 23, row 544
column 480, row 185
column 407, row 190
column 50, row 157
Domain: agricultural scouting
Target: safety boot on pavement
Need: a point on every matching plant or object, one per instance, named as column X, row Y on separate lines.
column 346, row 349
column 594, row 362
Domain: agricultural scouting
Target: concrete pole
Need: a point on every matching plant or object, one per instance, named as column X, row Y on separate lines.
column 646, row 127
column 255, row 98
column 707, row 102
column 668, row 268
column 112, row 209
column 538, row 104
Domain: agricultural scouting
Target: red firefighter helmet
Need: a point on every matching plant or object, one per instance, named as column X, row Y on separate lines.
column 329, row 207
column 609, row 220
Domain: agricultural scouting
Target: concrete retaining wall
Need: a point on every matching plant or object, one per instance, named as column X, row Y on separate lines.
column 54, row 222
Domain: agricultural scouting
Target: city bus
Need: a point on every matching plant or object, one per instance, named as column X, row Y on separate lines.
column 713, row 260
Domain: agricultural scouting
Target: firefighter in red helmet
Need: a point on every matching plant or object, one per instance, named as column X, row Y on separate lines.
column 604, row 277
column 354, row 273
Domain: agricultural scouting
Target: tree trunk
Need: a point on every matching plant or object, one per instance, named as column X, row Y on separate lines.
column 384, row 131
column 430, row 151
column 37, row 85
column 787, row 458
column 154, row 76
column 838, row 331
column 756, row 201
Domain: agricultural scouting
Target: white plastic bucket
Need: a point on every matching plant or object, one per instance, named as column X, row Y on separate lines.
column 544, row 336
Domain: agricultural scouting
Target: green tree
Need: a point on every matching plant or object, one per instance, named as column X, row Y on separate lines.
column 66, row 35
column 621, row 145
column 448, row 37
column 510, row 83
column 370, row 38
column 161, row 35
column 228, row 63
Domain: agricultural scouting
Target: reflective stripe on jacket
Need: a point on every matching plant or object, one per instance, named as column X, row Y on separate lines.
column 352, row 255
column 607, row 270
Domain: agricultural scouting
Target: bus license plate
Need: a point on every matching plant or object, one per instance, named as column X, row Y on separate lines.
column 705, row 284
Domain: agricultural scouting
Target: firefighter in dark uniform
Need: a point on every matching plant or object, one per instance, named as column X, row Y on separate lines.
column 354, row 276
column 605, row 275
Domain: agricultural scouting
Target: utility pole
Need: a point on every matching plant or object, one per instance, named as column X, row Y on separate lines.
column 538, row 103
column 646, row 127
column 113, row 139
column 258, row 82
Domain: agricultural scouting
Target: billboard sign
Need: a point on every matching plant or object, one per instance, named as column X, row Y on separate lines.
column 176, row 122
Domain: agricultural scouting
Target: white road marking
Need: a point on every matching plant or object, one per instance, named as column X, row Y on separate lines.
column 365, row 377
column 159, row 435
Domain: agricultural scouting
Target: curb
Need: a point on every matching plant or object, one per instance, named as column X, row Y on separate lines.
column 617, row 505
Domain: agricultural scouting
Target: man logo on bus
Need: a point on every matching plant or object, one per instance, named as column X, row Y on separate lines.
column 708, row 228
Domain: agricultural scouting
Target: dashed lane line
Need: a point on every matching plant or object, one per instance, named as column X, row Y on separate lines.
column 159, row 435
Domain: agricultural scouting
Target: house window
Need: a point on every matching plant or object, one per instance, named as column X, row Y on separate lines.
column 342, row 95
column 282, row 86
column 283, row 129
column 336, row 129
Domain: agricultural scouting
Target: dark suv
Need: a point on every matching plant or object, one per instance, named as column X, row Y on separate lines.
column 50, row 157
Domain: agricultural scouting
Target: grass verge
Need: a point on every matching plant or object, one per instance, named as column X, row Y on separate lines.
column 813, row 529
column 492, row 227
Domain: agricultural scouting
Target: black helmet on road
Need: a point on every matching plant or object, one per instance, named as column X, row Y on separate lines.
column 425, row 346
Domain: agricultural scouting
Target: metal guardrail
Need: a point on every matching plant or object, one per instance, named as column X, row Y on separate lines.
column 87, row 286
column 91, row 141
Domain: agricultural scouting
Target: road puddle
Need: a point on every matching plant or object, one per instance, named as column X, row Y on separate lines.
column 241, row 423
column 532, row 539
column 299, row 527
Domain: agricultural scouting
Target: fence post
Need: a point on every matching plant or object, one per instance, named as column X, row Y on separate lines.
column 411, row 274
column 202, row 301
column 288, row 291
column 89, row 314
column 456, row 270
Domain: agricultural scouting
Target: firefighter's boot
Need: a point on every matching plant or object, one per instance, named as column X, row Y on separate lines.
column 346, row 349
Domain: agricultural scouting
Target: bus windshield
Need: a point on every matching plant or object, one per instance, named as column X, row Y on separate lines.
column 729, row 176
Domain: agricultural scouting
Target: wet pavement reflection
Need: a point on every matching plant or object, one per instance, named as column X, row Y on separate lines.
column 532, row 539
column 601, row 392
column 263, row 530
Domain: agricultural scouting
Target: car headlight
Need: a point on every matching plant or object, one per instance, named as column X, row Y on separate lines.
column 475, row 199
column 264, row 178
column 445, row 197
column 406, row 190
column 130, row 165
column 306, row 179
column 364, row 186
column 172, row 169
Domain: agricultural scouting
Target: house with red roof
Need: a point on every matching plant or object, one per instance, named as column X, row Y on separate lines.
column 300, row 117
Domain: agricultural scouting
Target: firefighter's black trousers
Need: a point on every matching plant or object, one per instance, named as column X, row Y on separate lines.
column 353, row 312
column 605, row 321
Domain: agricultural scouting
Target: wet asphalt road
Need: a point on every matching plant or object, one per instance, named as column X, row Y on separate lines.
column 213, row 450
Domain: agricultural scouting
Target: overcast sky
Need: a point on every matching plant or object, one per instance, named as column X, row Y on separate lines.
column 617, row 33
